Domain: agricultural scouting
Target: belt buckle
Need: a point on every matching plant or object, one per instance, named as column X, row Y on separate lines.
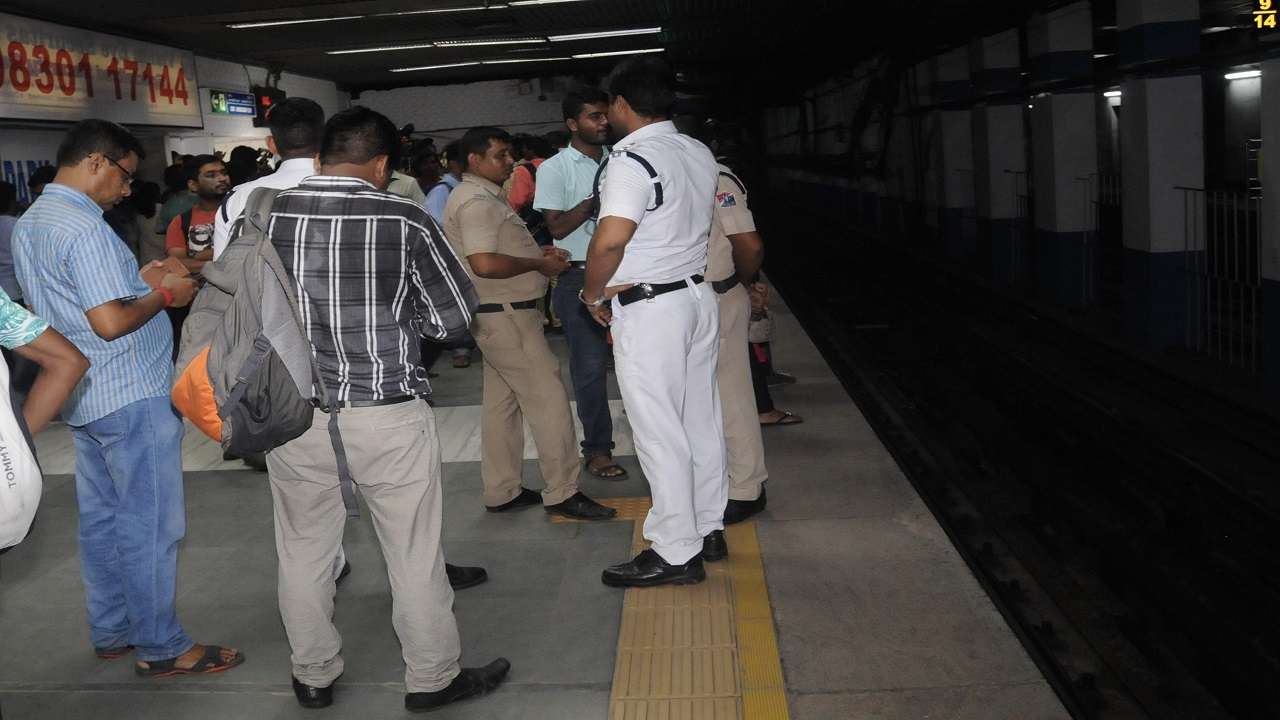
column 647, row 290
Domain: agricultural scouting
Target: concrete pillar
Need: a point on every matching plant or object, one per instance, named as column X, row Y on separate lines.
column 955, row 127
column 1064, row 151
column 1162, row 147
column 999, row 155
column 929, row 147
column 1270, row 251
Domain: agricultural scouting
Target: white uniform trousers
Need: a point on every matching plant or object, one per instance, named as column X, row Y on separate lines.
column 665, row 359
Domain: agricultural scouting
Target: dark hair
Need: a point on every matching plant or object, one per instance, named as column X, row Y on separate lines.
column 297, row 125
column 191, row 170
column 452, row 152
column 357, row 136
column 581, row 96
column 647, row 84
column 477, row 139
column 538, row 146
column 8, row 197
column 97, row 136
column 175, row 178
column 425, row 157
column 557, row 138
column 144, row 197
column 43, row 175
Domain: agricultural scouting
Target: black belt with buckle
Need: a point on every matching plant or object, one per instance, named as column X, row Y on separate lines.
column 346, row 404
column 723, row 286
column 648, row 291
column 577, row 265
column 499, row 307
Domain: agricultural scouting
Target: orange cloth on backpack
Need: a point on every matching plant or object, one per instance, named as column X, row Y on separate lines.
column 193, row 396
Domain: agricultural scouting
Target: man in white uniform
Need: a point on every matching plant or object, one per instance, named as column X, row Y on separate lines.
column 644, row 275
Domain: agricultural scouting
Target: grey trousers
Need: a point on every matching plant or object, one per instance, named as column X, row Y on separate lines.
column 394, row 453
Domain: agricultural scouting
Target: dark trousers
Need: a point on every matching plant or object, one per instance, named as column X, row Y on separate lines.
column 432, row 350
column 761, row 367
column 588, row 351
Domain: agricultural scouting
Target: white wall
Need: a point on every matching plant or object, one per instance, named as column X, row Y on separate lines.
column 444, row 112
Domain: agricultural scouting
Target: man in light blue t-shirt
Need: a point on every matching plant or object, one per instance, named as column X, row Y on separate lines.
column 565, row 196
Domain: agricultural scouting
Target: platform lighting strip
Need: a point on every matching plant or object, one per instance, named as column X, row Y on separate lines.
column 1111, row 94
column 1243, row 75
column 509, row 61
column 526, row 40
column 465, row 8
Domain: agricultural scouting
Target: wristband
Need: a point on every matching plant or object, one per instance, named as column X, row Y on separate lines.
column 167, row 294
column 589, row 303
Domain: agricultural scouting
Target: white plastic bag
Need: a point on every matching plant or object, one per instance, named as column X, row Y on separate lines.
column 20, row 478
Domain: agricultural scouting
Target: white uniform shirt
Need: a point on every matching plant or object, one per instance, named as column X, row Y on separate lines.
column 670, row 242
column 289, row 174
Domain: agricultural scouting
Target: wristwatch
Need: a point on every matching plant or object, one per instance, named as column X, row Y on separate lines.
column 590, row 303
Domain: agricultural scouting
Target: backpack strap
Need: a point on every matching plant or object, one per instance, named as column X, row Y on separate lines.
column 186, row 224
column 648, row 167
column 258, row 212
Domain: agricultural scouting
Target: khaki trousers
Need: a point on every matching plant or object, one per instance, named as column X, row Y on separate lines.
column 742, row 439
column 394, row 454
column 522, row 379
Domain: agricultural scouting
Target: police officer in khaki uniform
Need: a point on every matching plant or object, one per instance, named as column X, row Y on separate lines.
column 733, row 259
column 521, row 374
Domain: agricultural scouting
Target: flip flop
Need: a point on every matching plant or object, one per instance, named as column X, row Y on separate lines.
column 111, row 653
column 612, row 471
column 210, row 662
column 788, row 418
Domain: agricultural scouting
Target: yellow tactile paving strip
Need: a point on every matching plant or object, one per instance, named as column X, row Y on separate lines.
column 698, row 652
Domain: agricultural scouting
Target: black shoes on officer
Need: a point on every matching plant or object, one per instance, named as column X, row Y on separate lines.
column 581, row 507
column 471, row 682
column 714, row 547
column 462, row 577
column 526, row 498
column 312, row 697
column 738, row 510
column 648, row 569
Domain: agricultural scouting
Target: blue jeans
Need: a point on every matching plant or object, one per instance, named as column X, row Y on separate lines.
column 588, row 350
column 129, row 489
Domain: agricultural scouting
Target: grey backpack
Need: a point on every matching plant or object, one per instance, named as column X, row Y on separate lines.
column 247, row 375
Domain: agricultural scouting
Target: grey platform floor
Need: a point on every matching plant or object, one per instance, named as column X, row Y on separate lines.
column 877, row 616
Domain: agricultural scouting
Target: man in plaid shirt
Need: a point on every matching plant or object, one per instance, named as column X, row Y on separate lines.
column 373, row 273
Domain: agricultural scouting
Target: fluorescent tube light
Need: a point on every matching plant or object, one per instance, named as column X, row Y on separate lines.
column 1111, row 93
column 604, row 34
column 491, row 41
column 1243, row 74
column 435, row 67
column 522, row 60
column 384, row 48
column 583, row 56
column 275, row 23
column 518, row 3
column 468, row 8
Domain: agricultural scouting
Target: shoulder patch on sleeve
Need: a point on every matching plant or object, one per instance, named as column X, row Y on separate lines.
column 726, row 200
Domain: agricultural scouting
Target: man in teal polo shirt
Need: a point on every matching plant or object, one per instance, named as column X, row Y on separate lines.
column 565, row 196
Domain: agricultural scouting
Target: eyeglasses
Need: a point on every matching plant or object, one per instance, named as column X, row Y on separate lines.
column 128, row 176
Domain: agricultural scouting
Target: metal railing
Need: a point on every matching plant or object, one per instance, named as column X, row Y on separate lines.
column 1019, row 262
column 1221, row 263
column 1104, row 246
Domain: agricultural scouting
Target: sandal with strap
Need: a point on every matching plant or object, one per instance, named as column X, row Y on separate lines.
column 210, row 662
column 111, row 653
column 612, row 471
column 788, row 418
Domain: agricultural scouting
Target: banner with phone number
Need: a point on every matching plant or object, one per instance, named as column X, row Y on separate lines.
column 52, row 72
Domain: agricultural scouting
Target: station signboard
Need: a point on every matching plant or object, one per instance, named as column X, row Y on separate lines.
column 53, row 72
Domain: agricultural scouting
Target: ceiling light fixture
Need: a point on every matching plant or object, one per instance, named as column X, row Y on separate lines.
column 468, row 8
column 491, row 41
column 522, row 60
column 1243, row 74
column 518, row 3
column 383, row 48
column 1215, row 29
column 604, row 34
column 435, row 67
column 583, row 56
column 1111, row 94
column 276, row 23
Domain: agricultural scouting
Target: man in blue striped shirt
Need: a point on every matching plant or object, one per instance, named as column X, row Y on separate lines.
column 77, row 274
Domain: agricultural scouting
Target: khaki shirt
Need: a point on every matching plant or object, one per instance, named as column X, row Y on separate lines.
column 477, row 219
column 732, row 216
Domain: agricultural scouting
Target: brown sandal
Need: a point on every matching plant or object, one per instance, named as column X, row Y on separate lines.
column 210, row 662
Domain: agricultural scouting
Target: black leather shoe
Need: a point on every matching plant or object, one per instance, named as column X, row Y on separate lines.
column 738, row 510
column 526, row 498
column 342, row 575
column 312, row 697
column 471, row 682
column 581, row 507
column 648, row 569
column 462, row 577
column 714, row 547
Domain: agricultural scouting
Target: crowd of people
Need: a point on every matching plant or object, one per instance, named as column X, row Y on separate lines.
column 623, row 233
